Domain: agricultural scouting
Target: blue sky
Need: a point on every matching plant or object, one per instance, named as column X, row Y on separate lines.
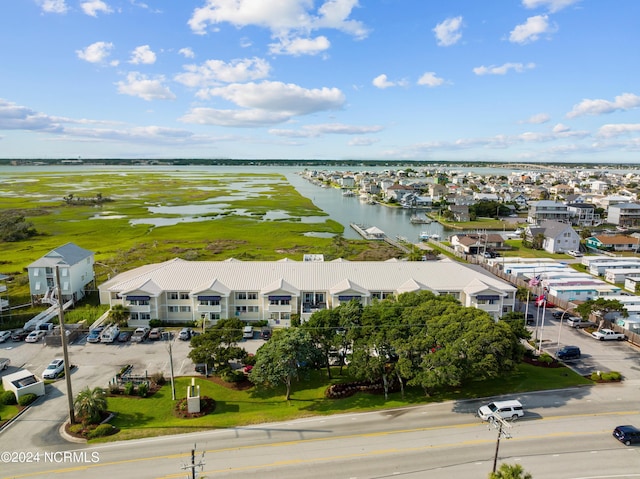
column 472, row 80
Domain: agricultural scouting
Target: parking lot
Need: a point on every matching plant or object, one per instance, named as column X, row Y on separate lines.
column 97, row 363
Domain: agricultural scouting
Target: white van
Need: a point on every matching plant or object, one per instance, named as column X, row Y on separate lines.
column 511, row 409
column 247, row 332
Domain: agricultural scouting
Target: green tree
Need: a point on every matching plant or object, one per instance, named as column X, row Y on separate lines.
column 323, row 329
column 517, row 323
column 507, row 471
column 14, row 227
column 601, row 307
column 219, row 345
column 282, row 358
column 118, row 314
column 90, row 404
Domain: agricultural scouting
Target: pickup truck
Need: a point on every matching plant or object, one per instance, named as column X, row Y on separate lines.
column 140, row 334
column 574, row 322
column 608, row 335
column 4, row 362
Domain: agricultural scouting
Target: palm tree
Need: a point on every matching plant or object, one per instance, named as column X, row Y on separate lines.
column 91, row 403
column 510, row 472
column 119, row 315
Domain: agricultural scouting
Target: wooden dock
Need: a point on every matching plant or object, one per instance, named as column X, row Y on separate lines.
column 377, row 236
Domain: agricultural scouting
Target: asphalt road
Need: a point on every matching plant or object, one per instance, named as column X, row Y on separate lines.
column 564, row 434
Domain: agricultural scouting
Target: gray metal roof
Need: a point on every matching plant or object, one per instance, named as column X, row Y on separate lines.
column 181, row 275
column 68, row 254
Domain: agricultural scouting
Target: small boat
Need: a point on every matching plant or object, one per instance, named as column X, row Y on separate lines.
column 424, row 236
column 415, row 219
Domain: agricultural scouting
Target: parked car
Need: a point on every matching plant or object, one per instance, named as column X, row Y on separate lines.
column 247, row 332
column 35, row 336
column 155, row 333
column 19, row 335
column 54, row 369
column 265, row 334
column 4, row 363
column 204, row 368
column 124, row 336
column 94, row 335
column 140, row 334
column 575, row 253
column 568, row 352
column 184, row 334
column 511, row 409
column 557, row 314
column 4, row 335
column 530, row 319
column 627, row 434
column 247, row 369
column 576, row 322
column 608, row 335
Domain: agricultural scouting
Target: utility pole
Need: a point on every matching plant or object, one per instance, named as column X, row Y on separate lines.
column 501, row 425
column 173, row 385
column 193, row 464
column 65, row 351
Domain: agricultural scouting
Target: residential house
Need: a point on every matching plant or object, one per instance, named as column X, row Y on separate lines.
column 398, row 192
column 561, row 191
column 73, row 265
column 544, row 210
column 558, row 237
column 476, row 243
column 624, row 214
column 460, row 212
column 437, row 191
column 613, row 243
column 583, row 214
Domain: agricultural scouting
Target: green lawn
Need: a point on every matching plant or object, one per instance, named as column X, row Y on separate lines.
column 153, row 416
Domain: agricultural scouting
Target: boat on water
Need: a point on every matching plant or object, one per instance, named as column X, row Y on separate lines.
column 348, row 193
column 424, row 236
column 415, row 219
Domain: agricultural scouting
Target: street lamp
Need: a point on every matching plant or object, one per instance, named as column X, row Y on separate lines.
column 570, row 305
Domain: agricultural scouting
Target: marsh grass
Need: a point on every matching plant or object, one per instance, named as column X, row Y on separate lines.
column 237, row 230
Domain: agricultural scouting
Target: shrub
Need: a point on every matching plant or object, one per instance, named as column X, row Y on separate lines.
column 128, row 389
column 143, row 390
column 233, row 376
column 27, row 399
column 76, row 428
column 250, row 360
column 545, row 358
column 8, row 398
column 102, row 430
column 156, row 323
column 158, row 379
column 114, row 388
column 611, row 376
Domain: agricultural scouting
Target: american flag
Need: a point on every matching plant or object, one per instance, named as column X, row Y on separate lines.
column 535, row 281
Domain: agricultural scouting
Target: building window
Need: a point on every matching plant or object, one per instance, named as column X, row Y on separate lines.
column 241, row 296
column 253, row 309
column 173, row 309
column 172, row 295
column 184, row 295
column 210, row 302
column 185, row 309
column 252, row 296
column 241, row 309
column 281, row 302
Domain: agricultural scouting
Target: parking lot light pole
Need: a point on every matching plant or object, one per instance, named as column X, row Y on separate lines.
column 569, row 306
column 65, row 351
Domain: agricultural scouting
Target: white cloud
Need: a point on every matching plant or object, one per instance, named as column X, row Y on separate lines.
column 214, row 72
column 143, row 54
column 308, row 131
column 265, row 103
column 234, row 118
column 187, row 52
column 381, row 81
column 94, row 6
column 619, row 129
column 537, row 119
column 282, row 18
column 448, row 31
column 430, row 79
column 141, row 86
column 531, row 30
column 96, row 52
column 53, row 6
column 502, row 69
column 300, row 46
column 552, row 5
column 278, row 96
column 626, row 101
column 16, row 117
column 560, row 128
column 362, row 141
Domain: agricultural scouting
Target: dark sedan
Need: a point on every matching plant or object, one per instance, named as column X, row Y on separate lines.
column 19, row 335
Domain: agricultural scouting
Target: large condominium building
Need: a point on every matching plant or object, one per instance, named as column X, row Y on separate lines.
column 183, row 291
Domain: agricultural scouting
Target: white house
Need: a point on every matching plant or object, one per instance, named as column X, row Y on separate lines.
column 558, row 237
column 75, row 267
column 183, row 291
